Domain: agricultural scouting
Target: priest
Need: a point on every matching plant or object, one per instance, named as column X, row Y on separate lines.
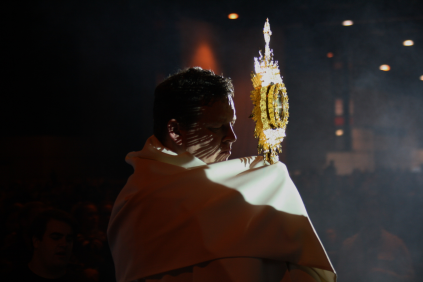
column 189, row 214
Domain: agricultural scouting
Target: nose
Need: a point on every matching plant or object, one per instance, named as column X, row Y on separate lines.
column 230, row 135
column 64, row 242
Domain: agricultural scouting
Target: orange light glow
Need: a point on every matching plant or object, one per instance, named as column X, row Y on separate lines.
column 408, row 43
column 421, row 77
column 385, row 68
column 233, row 16
column 330, row 55
column 203, row 57
column 347, row 23
column 339, row 132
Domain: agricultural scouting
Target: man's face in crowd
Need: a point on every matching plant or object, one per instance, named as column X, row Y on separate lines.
column 211, row 137
column 91, row 218
column 55, row 248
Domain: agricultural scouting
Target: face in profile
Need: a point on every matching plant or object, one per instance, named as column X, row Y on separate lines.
column 55, row 248
column 211, row 137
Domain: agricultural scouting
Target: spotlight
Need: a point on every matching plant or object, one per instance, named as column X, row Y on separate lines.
column 233, row 16
column 347, row 23
column 330, row 55
column 339, row 132
column 408, row 43
column 421, row 77
column 385, row 68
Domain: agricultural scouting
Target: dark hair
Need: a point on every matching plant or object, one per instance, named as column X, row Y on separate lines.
column 79, row 210
column 181, row 95
column 39, row 225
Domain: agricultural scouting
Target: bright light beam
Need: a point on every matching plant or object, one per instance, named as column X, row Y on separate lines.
column 408, row 42
column 385, row 68
column 347, row 23
column 233, row 16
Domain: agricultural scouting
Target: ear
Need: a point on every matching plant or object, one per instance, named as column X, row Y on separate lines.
column 174, row 132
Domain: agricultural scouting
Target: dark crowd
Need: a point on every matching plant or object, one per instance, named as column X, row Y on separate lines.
column 369, row 223
column 84, row 205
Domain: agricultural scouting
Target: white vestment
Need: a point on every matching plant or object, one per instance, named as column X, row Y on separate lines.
column 175, row 212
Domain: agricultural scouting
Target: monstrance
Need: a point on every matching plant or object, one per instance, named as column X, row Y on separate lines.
column 270, row 101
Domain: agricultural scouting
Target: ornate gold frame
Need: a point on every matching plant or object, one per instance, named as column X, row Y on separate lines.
column 270, row 99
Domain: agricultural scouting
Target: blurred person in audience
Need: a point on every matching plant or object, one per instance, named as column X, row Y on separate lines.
column 16, row 248
column 90, row 245
column 330, row 170
column 374, row 254
column 105, row 212
column 52, row 233
column 332, row 244
column 9, row 218
column 86, row 213
column 99, row 254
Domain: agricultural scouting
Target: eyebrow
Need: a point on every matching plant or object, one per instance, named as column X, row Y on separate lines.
column 57, row 233
column 61, row 234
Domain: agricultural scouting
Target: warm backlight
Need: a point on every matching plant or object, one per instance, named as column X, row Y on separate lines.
column 421, row 77
column 339, row 132
column 233, row 16
column 408, row 43
column 203, row 57
column 330, row 55
column 385, row 68
column 347, row 23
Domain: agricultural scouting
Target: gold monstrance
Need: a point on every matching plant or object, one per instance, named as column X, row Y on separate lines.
column 270, row 103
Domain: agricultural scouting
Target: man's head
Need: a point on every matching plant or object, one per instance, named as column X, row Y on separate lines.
column 52, row 233
column 86, row 213
column 194, row 112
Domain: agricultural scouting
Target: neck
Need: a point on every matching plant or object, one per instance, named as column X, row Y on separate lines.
column 171, row 145
column 41, row 269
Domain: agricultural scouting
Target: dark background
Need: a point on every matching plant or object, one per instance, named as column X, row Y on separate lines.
column 78, row 80
column 88, row 69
